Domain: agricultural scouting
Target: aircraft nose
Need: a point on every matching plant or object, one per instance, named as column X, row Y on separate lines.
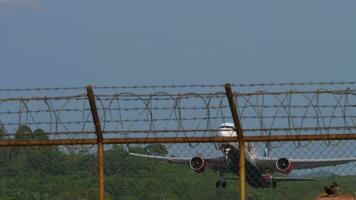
column 220, row 133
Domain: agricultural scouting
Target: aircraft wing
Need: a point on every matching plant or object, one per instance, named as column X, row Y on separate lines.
column 212, row 161
column 270, row 163
column 178, row 160
column 280, row 179
column 291, row 179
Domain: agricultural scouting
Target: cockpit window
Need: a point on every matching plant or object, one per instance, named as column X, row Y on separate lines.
column 230, row 127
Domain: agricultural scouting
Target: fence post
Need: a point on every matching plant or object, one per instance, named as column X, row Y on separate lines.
column 99, row 135
column 240, row 136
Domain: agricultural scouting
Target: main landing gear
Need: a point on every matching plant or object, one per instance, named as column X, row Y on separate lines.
column 274, row 184
column 222, row 182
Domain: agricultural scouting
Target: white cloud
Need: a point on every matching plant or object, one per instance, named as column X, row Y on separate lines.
column 32, row 4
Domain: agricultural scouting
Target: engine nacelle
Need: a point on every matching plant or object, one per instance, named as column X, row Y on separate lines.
column 198, row 164
column 283, row 165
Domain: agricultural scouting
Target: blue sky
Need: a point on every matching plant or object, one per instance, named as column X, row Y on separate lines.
column 72, row 43
column 47, row 43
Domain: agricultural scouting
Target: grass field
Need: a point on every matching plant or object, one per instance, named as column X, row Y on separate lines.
column 49, row 173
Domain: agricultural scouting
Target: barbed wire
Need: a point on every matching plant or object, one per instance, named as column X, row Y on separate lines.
column 40, row 89
column 323, row 83
column 147, row 114
column 323, row 111
column 44, row 98
column 187, row 108
column 183, row 119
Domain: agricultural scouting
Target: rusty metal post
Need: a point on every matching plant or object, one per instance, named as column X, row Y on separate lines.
column 99, row 134
column 240, row 136
column 175, row 140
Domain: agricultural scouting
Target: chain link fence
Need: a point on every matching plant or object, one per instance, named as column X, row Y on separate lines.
column 178, row 142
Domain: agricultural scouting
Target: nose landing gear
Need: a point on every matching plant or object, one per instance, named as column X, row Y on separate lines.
column 230, row 160
column 227, row 152
column 222, row 182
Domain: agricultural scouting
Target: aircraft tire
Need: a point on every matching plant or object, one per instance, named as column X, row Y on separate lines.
column 218, row 183
column 274, row 185
column 223, row 184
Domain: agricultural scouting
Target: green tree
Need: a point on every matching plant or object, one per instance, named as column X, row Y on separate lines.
column 2, row 131
column 39, row 134
column 156, row 149
column 152, row 149
column 4, row 151
column 23, row 133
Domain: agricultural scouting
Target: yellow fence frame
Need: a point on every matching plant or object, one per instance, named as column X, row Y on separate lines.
column 241, row 139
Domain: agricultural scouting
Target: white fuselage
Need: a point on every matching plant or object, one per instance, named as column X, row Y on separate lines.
column 228, row 130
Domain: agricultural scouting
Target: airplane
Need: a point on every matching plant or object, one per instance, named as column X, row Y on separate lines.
column 259, row 169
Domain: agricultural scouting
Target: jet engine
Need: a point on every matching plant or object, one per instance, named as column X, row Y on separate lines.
column 284, row 165
column 198, row 164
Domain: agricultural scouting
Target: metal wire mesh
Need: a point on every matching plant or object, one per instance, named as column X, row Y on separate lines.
column 171, row 111
column 48, row 172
